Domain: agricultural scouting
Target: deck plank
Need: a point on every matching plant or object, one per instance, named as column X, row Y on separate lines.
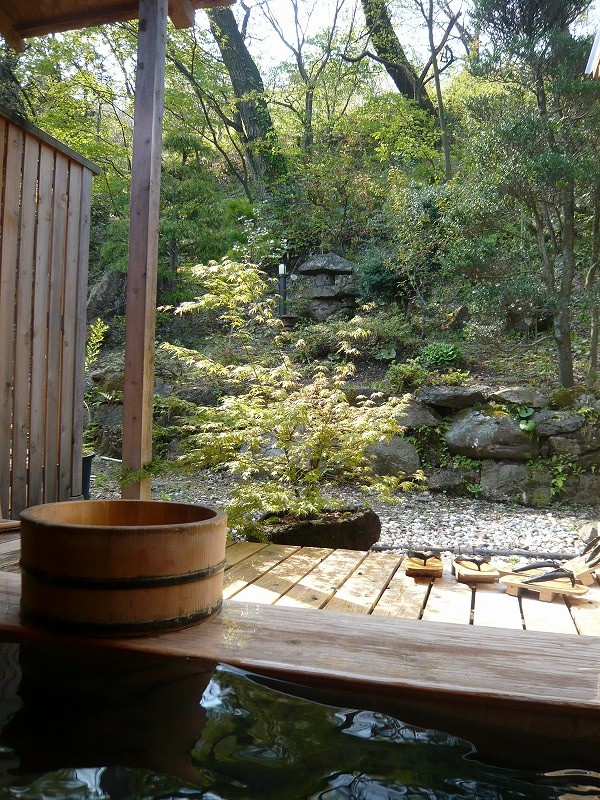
column 585, row 612
column 316, row 588
column 494, row 608
column 403, row 597
column 279, row 580
column 247, row 571
column 362, row 590
column 553, row 617
column 449, row 600
column 10, row 543
column 238, row 551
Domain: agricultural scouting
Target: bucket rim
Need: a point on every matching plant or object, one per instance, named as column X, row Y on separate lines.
column 34, row 514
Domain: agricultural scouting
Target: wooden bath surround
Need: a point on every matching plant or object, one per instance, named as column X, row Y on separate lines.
column 492, row 685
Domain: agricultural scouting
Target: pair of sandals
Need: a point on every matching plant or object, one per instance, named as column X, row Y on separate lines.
column 428, row 563
column 549, row 578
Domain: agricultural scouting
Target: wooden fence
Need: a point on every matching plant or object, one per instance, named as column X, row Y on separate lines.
column 44, row 239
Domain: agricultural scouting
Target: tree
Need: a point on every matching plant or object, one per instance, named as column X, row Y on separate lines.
column 252, row 119
column 539, row 144
column 310, row 64
column 11, row 91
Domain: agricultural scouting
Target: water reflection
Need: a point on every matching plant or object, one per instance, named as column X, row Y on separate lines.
column 92, row 726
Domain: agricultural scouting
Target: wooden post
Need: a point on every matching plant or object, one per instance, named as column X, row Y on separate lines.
column 143, row 244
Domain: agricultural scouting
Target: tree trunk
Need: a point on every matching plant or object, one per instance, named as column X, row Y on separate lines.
column 11, row 93
column 392, row 55
column 256, row 126
column 308, row 120
column 562, row 316
column 590, row 282
column 438, row 94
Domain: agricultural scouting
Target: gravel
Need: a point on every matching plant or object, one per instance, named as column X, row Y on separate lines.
column 417, row 520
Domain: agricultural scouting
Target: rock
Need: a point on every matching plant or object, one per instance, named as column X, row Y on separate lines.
column 202, row 394
column 415, row 414
column 564, row 446
column 522, row 396
column 351, row 529
column 480, row 435
column 555, row 423
column 332, row 287
column 326, row 284
column 161, row 388
column 451, row 481
column 456, row 397
column 107, row 296
column 108, row 415
column 457, row 319
column 585, row 490
column 325, row 262
column 394, row 458
column 574, row 445
column 320, row 309
column 108, row 379
column 502, row 481
column 509, row 482
column 589, row 460
column 589, row 436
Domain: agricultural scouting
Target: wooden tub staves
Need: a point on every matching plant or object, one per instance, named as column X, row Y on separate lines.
column 121, row 566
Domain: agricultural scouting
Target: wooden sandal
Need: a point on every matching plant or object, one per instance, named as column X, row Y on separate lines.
column 427, row 563
column 474, row 569
column 545, row 585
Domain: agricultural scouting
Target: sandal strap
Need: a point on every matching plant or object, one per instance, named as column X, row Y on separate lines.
column 479, row 561
column 550, row 576
column 592, row 556
column 593, row 544
column 537, row 565
column 424, row 555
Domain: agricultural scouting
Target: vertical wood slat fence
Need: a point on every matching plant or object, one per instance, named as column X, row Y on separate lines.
column 45, row 199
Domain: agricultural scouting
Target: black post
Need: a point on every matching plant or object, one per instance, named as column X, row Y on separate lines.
column 282, row 290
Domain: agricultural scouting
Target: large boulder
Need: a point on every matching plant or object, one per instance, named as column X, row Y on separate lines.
column 556, row 423
column 455, row 397
column 479, row 435
column 584, row 441
column 398, row 457
column 107, row 296
column 507, row 482
column 415, row 414
column 452, row 481
column 522, row 396
column 585, row 490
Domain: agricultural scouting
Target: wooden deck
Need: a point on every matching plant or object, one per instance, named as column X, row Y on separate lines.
column 374, row 583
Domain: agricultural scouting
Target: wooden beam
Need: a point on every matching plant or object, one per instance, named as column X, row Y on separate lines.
column 143, row 244
column 182, row 13
column 493, row 687
column 10, row 34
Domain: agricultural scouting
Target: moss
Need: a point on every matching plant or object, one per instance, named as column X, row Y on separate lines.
column 566, row 398
column 540, row 499
column 495, row 410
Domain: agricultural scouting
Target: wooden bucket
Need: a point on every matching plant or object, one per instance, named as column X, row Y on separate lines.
column 121, row 566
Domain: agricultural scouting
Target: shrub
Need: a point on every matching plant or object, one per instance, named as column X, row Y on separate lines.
column 406, row 377
column 440, row 355
column 379, row 334
column 285, row 440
